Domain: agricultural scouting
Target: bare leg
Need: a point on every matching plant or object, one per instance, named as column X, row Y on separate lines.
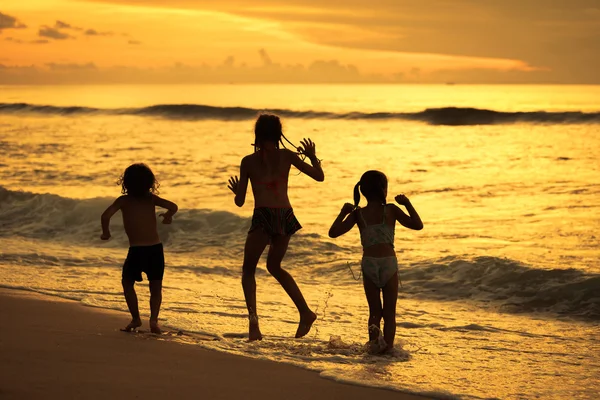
column 375, row 310
column 155, row 301
column 255, row 245
column 277, row 251
column 390, row 298
column 132, row 304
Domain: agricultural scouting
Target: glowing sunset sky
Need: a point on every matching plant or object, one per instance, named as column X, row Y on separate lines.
column 76, row 41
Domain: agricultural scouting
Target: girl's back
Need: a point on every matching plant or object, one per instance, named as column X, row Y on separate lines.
column 376, row 224
column 268, row 171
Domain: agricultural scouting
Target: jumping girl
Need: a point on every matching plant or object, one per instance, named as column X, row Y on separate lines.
column 273, row 222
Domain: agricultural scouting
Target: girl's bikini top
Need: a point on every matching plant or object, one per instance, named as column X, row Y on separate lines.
column 273, row 184
column 377, row 233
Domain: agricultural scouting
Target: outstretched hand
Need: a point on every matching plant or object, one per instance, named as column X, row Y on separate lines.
column 307, row 147
column 234, row 182
column 402, row 200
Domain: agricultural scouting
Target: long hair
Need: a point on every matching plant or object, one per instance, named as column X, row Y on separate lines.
column 268, row 128
column 372, row 185
column 138, row 180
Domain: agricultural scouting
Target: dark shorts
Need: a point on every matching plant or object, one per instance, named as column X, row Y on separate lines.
column 275, row 221
column 148, row 259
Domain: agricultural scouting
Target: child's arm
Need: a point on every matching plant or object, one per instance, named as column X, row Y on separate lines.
column 107, row 215
column 410, row 221
column 314, row 171
column 239, row 186
column 344, row 221
column 168, row 205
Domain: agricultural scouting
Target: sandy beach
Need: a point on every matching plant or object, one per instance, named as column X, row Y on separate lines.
column 53, row 348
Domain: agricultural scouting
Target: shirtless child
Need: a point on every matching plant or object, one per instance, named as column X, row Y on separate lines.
column 137, row 205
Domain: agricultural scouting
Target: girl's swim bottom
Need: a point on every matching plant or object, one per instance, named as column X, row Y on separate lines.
column 379, row 270
column 275, row 221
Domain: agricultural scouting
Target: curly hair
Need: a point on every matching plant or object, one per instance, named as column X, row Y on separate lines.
column 372, row 185
column 138, row 180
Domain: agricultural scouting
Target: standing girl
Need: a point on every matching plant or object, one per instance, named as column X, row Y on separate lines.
column 376, row 223
column 273, row 222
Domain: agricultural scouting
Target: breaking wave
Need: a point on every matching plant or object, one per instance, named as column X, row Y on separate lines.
column 506, row 284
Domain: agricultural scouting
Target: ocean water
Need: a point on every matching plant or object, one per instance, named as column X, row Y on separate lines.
column 500, row 293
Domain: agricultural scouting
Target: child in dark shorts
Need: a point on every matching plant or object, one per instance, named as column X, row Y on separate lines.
column 273, row 221
column 137, row 205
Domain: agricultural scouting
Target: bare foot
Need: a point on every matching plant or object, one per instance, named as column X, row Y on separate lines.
column 305, row 324
column 154, row 328
column 377, row 346
column 133, row 325
column 253, row 329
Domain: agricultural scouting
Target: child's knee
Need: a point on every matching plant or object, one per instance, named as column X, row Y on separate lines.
column 247, row 276
column 248, row 269
column 155, row 286
column 274, row 268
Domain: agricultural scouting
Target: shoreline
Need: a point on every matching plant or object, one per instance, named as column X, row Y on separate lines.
column 60, row 348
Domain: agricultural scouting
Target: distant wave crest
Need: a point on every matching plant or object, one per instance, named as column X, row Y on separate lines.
column 433, row 116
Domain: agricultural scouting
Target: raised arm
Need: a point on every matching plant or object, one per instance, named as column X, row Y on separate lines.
column 410, row 221
column 344, row 221
column 239, row 186
column 168, row 205
column 107, row 215
column 314, row 171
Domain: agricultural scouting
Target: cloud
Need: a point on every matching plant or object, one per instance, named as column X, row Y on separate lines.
column 56, row 32
column 265, row 57
column 9, row 22
column 134, row 42
column 319, row 71
column 61, row 25
column 231, row 71
column 53, row 33
column 71, row 67
column 229, row 62
column 14, row 40
column 64, row 25
column 93, row 32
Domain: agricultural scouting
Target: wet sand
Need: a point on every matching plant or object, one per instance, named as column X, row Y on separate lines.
column 52, row 348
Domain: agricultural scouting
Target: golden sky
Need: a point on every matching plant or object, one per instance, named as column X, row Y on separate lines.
column 43, row 41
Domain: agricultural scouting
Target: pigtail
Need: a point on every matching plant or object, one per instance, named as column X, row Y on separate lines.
column 356, row 194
